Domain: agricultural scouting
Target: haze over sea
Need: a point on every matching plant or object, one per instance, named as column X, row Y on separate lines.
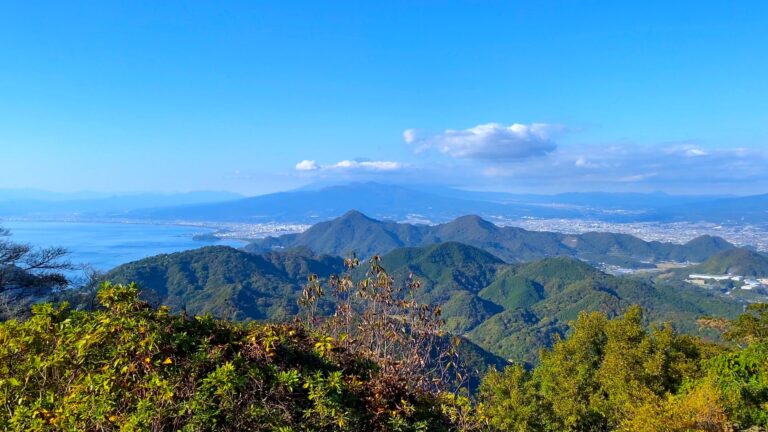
column 107, row 245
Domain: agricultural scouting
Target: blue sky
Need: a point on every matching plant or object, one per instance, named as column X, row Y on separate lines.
column 254, row 97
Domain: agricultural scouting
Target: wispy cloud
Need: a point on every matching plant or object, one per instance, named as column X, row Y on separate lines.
column 526, row 157
column 637, row 177
column 665, row 167
column 489, row 141
column 687, row 150
column 307, row 165
column 349, row 165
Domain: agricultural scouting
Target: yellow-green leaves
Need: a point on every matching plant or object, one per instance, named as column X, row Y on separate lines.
column 128, row 367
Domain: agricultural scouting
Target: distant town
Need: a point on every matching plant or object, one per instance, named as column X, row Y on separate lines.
column 677, row 232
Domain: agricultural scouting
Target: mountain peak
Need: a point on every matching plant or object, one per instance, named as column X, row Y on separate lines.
column 712, row 243
column 473, row 220
column 355, row 215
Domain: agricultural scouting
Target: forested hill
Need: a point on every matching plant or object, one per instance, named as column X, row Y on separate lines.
column 742, row 262
column 355, row 232
column 227, row 282
column 511, row 310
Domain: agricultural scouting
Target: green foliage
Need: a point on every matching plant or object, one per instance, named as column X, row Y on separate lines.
column 127, row 366
column 742, row 375
column 512, row 291
column 510, row 402
column 751, row 326
column 742, row 378
column 618, row 375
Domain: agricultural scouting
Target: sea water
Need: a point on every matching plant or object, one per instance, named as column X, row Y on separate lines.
column 104, row 246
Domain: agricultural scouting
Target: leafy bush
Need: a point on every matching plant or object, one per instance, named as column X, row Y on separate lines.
column 617, row 375
column 127, row 366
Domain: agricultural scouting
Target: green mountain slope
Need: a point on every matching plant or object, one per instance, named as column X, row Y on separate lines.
column 451, row 275
column 739, row 261
column 230, row 283
column 511, row 310
column 515, row 309
column 541, row 298
column 351, row 233
column 355, row 232
column 226, row 282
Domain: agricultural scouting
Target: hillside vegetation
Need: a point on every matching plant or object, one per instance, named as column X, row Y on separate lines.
column 743, row 262
column 126, row 366
column 511, row 310
column 619, row 375
column 227, row 282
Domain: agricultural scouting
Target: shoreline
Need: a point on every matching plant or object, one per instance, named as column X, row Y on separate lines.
column 225, row 231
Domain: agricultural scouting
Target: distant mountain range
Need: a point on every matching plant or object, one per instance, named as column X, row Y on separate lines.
column 511, row 310
column 357, row 233
column 387, row 201
column 395, row 202
column 748, row 209
column 32, row 203
column 437, row 204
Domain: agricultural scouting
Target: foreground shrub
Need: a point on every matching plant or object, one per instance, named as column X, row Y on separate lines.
column 127, row 366
column 618, row 375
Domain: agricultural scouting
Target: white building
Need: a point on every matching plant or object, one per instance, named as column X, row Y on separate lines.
column 714, row 277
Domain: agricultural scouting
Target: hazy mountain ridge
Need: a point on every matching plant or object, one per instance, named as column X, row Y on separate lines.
column 386, row 201
column 746, row 209
column 26, row 203
column 305, row 205
column 436, row 203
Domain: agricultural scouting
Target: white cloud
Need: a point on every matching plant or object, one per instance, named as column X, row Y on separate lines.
column 490, row 141
column 583, row 162
column 349, row 166
column 684, row 168
column 694, row 152
column 637, row 177
column 687, row 167
column 307, row 165
column 686, row 150
column 409, row 136
column 367, row 165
